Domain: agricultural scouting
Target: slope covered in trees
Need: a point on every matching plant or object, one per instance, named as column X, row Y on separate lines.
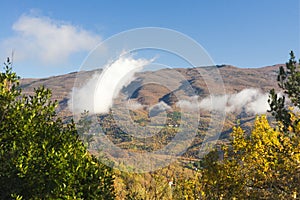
column 43, row 158
column 262, row 164
column 266, row 163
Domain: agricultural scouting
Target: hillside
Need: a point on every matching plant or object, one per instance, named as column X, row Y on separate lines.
column 235, row 80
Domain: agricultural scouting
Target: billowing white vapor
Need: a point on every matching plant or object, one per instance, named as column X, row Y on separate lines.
column 98, row 93
column 251, row 100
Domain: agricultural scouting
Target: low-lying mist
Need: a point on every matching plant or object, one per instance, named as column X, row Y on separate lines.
column 250, row 100
column 98, row 93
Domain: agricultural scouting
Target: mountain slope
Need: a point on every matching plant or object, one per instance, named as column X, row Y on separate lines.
column 235, row 79
column 147, row 90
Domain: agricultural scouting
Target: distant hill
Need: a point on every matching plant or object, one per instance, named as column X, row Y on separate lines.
column 235, row 80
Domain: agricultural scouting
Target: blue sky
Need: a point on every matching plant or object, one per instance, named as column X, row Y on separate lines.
column 244, row 33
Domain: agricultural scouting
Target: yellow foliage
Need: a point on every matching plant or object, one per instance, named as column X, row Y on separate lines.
column 264, row 164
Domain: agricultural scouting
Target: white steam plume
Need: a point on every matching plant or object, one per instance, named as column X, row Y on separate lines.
column 158, row 108
column 252, row 100
column 260, row 105
column 132, row 105
column 189, row 104
column 98, row 94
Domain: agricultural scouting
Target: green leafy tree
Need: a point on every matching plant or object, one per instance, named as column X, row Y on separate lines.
column 40, row 157
column 289, row 81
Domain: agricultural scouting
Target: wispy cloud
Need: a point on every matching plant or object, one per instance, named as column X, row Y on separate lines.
column 132, row 105
column 158, row 108
column 45, row 40
column 251, row 100
column 190, row 104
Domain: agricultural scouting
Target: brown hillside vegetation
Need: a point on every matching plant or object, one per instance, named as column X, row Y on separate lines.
column 235, row 79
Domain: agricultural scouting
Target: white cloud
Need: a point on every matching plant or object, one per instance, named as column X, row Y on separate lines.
column 217, row 102
column 159, row 107
column 190, row 104
column 132, row 105
column 45, row 40
column 250, row 99
column 98, row 93
column 259, row 105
